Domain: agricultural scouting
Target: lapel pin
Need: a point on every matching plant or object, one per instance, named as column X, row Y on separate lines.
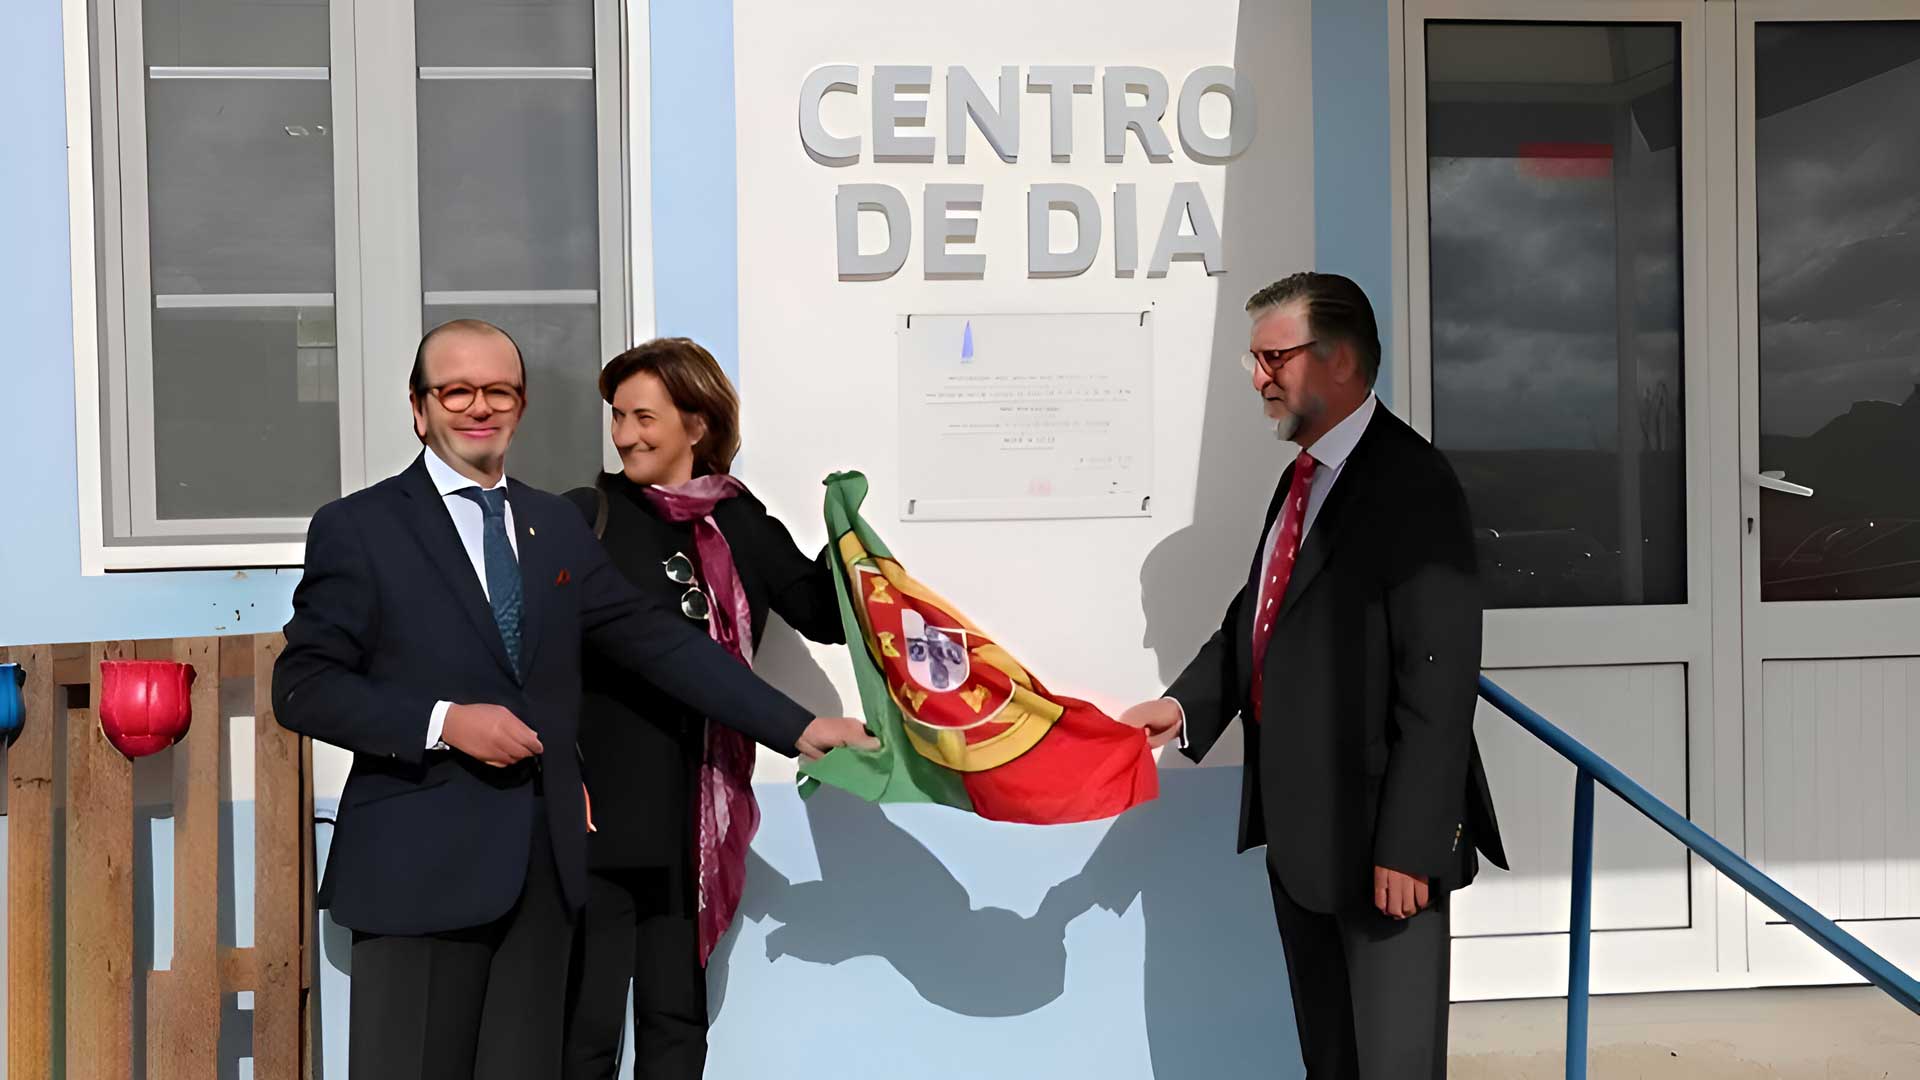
column 531, row 532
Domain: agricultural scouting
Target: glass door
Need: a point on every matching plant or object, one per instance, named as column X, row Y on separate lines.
column 1829, row 330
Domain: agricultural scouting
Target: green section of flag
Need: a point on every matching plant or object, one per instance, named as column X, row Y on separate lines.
column 895, row 772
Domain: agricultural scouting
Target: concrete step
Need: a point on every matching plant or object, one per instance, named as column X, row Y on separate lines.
column 1821, row 1033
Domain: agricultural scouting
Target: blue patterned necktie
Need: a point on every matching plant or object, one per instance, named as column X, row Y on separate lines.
column 503, row 570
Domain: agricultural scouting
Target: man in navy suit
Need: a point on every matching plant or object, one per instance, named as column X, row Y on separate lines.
column 437, row 634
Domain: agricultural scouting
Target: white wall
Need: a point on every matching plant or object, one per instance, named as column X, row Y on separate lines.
column 818, row 355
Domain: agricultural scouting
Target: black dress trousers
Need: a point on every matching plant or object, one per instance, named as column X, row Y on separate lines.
column 476, row 1004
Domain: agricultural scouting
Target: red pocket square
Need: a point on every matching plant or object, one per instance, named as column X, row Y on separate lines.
column 563, row 578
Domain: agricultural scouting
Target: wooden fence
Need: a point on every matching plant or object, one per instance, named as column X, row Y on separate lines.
column 185, row 1002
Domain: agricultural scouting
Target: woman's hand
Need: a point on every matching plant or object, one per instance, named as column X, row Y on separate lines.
column 828, row 732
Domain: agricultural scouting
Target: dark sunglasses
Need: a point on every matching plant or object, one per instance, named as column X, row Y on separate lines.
column 693, row 602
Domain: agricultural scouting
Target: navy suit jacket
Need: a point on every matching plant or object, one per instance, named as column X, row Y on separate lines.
column 390, row 618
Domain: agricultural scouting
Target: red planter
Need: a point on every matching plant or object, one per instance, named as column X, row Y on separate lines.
column 145, row 705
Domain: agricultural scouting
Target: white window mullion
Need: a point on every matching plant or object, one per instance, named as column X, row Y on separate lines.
column 389, row 235
column 349, row 344
column 637, row 157
column 527, row 297
column 136, row 265
column 110, row 362
column 580, row 74
column 315, row 74
column 615, row 312
column 207, row 301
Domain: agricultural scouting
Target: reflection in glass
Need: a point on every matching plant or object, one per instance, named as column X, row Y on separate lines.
column 240, row 185
column 1554, row 218
column 505, row 33
column 508, row 190
column 246, row 412
column 1837, row 184
column 558, row 444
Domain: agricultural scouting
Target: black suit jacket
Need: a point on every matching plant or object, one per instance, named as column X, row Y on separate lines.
column 1365, row 754
column 642, row 746
column 390, row 618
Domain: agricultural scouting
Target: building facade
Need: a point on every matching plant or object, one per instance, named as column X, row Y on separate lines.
column 1644, row 269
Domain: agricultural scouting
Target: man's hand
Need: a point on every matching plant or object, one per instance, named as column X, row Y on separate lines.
column 1160, row 717
column 1398, row 895
column 489, row 733
column 828, row 732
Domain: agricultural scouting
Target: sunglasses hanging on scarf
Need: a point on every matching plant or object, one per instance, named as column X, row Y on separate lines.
column 693, row 602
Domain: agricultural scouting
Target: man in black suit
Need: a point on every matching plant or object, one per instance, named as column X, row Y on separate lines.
column 437, row 634
column 1351, row 654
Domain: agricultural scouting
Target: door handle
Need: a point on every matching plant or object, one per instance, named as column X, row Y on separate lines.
column 1776, row 480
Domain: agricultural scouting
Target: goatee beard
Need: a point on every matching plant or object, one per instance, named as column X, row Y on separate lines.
column 1285, row 425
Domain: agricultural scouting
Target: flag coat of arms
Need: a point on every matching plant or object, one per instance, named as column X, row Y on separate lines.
column 959, row 720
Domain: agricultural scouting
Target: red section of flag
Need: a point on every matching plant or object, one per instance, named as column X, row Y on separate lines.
column 1086, row 768
column 1566, row 160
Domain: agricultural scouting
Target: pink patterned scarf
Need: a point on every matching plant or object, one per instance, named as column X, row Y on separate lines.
column 726, row 815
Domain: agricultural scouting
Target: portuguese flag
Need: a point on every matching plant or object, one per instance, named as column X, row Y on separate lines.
column 960, row 722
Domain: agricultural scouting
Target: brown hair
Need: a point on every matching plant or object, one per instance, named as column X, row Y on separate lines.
column 1337, row 310
column 696, row 384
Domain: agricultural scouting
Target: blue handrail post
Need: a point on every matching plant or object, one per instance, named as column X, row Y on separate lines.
column 1580, row 927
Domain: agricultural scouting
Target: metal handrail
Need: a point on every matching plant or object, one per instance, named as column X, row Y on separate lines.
column 1591, row 767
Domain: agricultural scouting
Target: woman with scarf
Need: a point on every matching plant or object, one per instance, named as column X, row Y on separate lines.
column 671, row 805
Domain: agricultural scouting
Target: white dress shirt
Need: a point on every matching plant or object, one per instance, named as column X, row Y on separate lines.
column 470, row 523
column 1330, row 453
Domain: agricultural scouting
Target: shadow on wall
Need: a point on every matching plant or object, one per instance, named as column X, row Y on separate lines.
column 1216, row 1002
column 1190, row 576
column 783, row 660
column 1216, row 996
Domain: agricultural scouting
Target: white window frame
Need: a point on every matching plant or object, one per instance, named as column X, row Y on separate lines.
column 102, row 418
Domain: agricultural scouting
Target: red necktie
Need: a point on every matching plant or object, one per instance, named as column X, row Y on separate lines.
column 1279, row 568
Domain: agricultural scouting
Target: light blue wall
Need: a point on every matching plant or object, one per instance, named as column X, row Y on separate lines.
column 696, row 283
column 1352, row 129
column 914, row 942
